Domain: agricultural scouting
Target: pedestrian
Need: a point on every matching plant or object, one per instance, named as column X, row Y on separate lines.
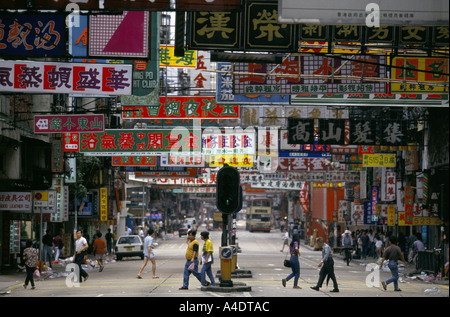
column 58, row 244
column 417, row 246
column 285, row 240
column 378, row 245
column 393, row 253
column 207, row 260
column 30, row 256
column 191, row 259
column 109, row 240
column 295, row 264
column 347, row 243
column 364, row 245
column 81, row 246
column 47, row 241
column 148, row 253
column 99, row 249
column 326, row 265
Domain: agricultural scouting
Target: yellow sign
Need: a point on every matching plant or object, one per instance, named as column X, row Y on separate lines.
column 391, row 215
column 41, row 196
column 231, row 160
column 378, row 160
column 426, row 221
column 103, row 204
column 168, row 58
column 421, row 71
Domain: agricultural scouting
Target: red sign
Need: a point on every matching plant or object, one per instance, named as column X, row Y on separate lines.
column 183, row 108
column 154, row 5
column 69, row 123
column 134, row 160
column 71, row 142
column 409, row 205
column 49, row 4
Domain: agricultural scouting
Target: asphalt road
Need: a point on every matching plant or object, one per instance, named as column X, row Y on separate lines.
column 260, row 254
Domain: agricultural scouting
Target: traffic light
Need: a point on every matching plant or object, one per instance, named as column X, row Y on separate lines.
column 228, row 190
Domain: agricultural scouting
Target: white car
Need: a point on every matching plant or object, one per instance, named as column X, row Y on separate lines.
column 128, row 246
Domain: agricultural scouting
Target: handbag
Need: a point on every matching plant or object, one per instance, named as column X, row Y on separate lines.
column 287, row 263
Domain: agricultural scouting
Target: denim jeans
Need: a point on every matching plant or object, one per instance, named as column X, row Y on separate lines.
column 206, row 270
column 48, row 254
column 187, row 273
column 295, row 266
column 394, row 270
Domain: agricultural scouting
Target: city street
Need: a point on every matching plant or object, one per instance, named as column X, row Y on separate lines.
column 260, row 254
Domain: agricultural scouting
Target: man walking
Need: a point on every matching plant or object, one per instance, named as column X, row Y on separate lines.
column 327, row 267
column 81, row 246
column 191, row 259
column 393, row 253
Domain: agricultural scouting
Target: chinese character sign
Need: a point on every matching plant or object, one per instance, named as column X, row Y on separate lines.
column 183, row 108
column 58, row 78
column 310, row 74
column 68, row 123
column 140, row 142
column 33, row 35
column 228, row 143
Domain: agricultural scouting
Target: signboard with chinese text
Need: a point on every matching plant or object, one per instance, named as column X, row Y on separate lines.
column 32, row 35
column 140, row 142
column 182, row 160
column 168, row 58
column 60, row 78
column 228, row 144
column 134, row 160
column 71, row 142
column 420, row 70
column 182, row 108
column 225, row 94
column 317, row 70
column 68, row 123
column 263, row 32
column 103, row 204
column 15, row 201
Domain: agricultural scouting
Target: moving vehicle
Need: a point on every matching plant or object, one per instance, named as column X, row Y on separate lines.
column 128, row 246
column 259, row 214
column 183, row 229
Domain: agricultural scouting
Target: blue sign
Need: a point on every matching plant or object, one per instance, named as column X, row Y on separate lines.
column 32, row 35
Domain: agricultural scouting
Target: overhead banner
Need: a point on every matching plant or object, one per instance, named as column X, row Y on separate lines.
column 182, row 108
column 311, row 74
column 32, row 35
column 140, row 142
column 65, row 78
column 125, row 35
column 69, row 123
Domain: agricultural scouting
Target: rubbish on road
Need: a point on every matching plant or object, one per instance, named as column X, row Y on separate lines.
column 432, row 291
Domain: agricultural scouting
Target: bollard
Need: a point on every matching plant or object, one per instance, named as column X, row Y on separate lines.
column 226, row 256
column 234, row 259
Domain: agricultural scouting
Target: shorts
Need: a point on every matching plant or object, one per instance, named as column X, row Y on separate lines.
column 99, row 256
column 152, row 256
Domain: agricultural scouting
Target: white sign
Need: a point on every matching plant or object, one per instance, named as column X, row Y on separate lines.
column 391, row 12
column 15, row 201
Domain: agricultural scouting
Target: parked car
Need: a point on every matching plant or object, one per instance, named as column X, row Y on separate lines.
column 128, row 246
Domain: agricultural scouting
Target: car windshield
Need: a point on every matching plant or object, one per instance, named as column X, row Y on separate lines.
column 129, row 240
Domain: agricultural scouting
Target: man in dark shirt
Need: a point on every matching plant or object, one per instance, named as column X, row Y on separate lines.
column 393, row 253
column 47, row 242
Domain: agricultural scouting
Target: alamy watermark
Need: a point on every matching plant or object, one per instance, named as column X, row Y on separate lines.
column 373, row 16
